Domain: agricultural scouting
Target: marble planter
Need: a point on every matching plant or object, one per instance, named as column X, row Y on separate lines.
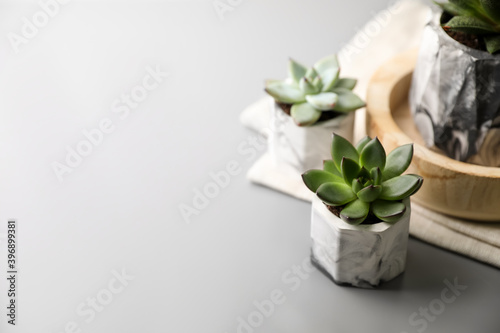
column 304, row 148
column 455, row 98
column 361, row 256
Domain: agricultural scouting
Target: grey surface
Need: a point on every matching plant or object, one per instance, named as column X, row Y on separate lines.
column 120, row 208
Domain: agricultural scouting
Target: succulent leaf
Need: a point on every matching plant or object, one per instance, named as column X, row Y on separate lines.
column 346, row 83
column 492, row 8
column 329, row 166
column 373, row 155
column 453, row 9
column 355, row 212
column 315, row 178
column 362, row 143
column 317, row 83
column 311, row 74
column 324, row 101
column 342, row 148
column 364, row 174
column 400, row 187
column 284, row 92
column 369, row 193
column 296, row 70
column 356, row 185
column 471, row 6
column 335, row 194
column 329, row 78
column 388, row 211
column 470, row 25
column 466, row 3
column 376, row 175
column 329, row 70
column 304, row 114
column 398, row 161
column 492, row 43
column 328, row 62
column 349, row 169
column 307, row 86
column 419, row 185
column 348, row 101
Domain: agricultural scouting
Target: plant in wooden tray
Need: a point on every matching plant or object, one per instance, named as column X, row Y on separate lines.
column 362, row 181
column 479, row 18
column 313, row 91
column 455, row 92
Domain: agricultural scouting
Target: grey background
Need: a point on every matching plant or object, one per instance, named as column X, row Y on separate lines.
column 120, row 208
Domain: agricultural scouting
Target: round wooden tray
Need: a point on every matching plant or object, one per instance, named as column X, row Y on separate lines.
column 450, row 187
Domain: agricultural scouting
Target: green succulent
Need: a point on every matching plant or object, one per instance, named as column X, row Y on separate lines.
column 314, row 90
column 476, row 17
column 363, row 181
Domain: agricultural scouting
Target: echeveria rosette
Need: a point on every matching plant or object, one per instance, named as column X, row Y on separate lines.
column 311, row 91
column 363, row 180
column 476, row 17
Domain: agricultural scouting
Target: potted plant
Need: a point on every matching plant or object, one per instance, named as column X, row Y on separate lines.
column 360, row 218
column 455, row 92
column 306, row 108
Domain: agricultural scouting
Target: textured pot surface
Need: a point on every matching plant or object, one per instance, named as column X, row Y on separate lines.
column 455, row 98
column 305, row 148
column 450, row 187
column 362, row 256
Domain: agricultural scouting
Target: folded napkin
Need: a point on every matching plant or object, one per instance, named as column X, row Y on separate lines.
column 398, row 28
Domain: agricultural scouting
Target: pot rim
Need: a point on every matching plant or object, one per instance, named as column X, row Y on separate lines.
column 479, row 54
column 336, row 221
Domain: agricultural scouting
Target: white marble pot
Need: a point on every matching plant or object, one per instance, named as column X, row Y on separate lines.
column 304, row 148
column 363, row 255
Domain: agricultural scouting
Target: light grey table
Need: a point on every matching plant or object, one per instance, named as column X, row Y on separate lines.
column 102, row 246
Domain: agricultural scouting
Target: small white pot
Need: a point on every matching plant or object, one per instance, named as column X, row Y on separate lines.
column 362, row 255
column 304, row 148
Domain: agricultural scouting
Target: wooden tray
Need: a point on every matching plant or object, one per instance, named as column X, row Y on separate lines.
column 450, row 187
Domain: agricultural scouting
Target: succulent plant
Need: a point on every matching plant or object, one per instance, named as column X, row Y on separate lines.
column 314, row 90
column 363, row 181
column 475, row 17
